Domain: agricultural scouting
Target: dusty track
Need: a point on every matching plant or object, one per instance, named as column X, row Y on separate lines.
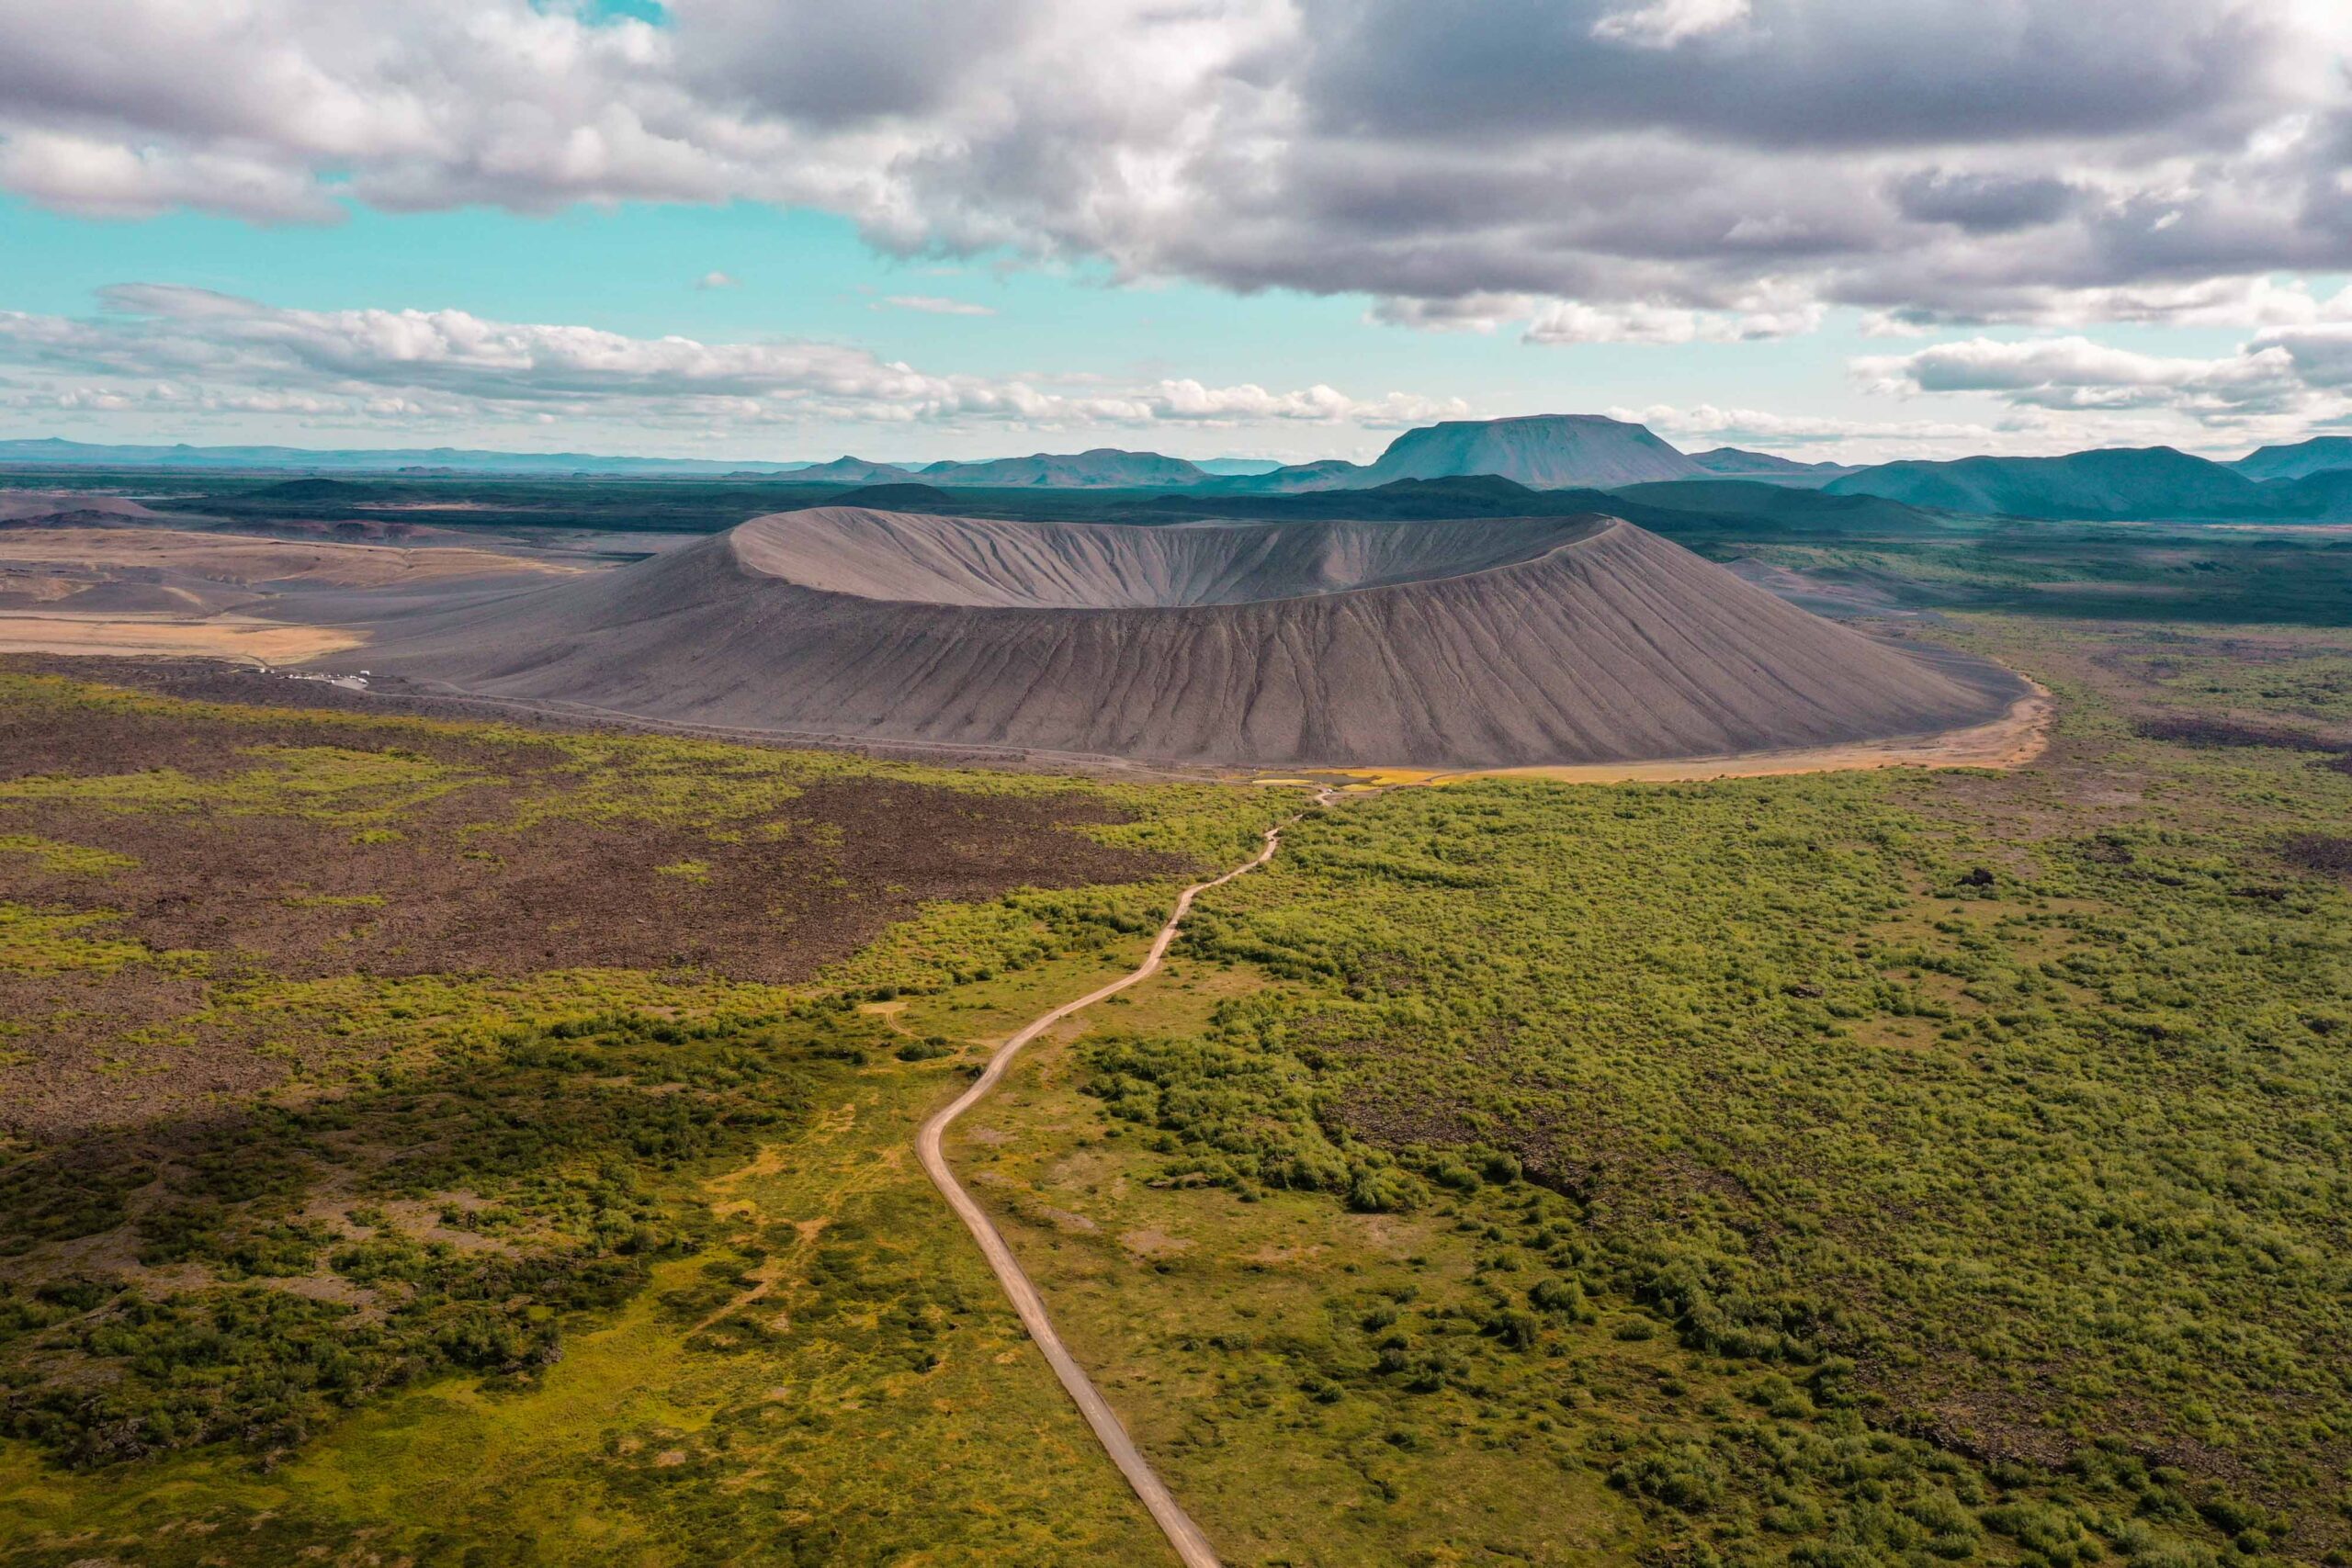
column 1191, row 1547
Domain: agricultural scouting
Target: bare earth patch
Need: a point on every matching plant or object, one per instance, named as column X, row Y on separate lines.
column 1153, row 1243
column 217, row 637
column 232, row 558
column 129, row 590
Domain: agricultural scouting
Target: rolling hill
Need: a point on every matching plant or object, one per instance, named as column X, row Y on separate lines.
column 1760, row 502
column 1103, row 468
column 1735, row 462
column 2112, row 483
column 854, row 471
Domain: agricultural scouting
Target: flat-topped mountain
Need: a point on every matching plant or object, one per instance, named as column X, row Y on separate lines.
column 2320, row 454
column 1490, row 643
column 1549, row 451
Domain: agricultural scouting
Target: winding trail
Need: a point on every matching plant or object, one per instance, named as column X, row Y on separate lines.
column 1191, row 1547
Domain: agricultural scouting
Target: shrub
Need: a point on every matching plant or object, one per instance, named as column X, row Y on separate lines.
column 1564, row 1297
column 1683, row 1476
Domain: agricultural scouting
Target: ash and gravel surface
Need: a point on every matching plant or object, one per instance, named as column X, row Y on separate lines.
column 1482, row 643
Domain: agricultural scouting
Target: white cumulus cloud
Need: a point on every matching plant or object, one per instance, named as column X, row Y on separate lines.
column 170, row 348
column 2077, row 373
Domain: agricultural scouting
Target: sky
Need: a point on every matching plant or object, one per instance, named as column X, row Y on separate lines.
column 770, row 230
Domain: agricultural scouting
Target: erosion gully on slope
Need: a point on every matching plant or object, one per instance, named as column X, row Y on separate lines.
column 1191, row 1546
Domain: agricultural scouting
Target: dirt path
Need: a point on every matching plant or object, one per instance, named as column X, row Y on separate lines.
column 1191, row 1547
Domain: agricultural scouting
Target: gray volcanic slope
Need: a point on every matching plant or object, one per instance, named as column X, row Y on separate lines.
column 1487, row 643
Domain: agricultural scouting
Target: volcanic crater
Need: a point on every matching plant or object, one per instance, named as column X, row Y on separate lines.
column 1477, row 644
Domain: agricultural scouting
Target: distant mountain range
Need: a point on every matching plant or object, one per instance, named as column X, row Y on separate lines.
column 854, row 471
column 2116, row 482
column 420, row 460
column 2307, row 482
column 1541, row 451
column 2126, row 483
column 1103, row 468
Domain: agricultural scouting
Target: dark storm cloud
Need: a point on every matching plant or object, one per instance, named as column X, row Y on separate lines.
column 825, row 62
column 1793, row 73
column 1983, row 204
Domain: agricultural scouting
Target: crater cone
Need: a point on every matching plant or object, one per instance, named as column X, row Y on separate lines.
column 1482, row 643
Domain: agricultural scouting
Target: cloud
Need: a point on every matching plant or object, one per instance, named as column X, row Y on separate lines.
column 1769, row 309
column 1566, row 322
column 1317, row 404
column 104, row 179
column 1662, row 24
column 2321, row 354
column 1816, row 438
column 1857, row 75
column 2075, row 373
column 2043, row 162
column 175, row 350
column 934, row 305
column 2072, row 391
column 710, row 281
column 1983, row 204
column 2252, row 302
column 1465, row 314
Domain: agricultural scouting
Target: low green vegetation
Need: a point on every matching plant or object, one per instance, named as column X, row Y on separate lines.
column 538, row 1176
column 2154, row 575
column 1841, row 1168
column 758, row 1335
